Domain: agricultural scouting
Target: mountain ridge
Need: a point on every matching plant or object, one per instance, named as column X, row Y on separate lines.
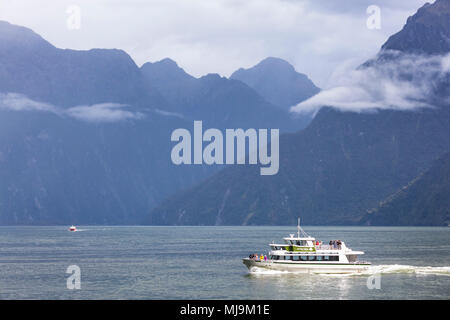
column 66, row 77
column 427, row 31
column 331, row 172
column 218, row 101
column 278, row 82
column 85, row 136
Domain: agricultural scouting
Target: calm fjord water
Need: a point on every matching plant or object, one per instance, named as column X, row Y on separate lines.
column 205, row 263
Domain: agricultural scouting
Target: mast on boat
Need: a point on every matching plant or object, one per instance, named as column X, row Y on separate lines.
column 300, row 232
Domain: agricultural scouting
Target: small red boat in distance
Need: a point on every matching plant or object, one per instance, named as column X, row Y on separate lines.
column 72, row 228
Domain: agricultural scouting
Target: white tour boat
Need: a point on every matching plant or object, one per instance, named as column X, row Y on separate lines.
column 304, row 254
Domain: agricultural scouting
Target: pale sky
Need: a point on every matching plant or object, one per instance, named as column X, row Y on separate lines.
column 219, row 36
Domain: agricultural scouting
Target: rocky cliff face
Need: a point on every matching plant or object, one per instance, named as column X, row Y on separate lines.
column 428, row 31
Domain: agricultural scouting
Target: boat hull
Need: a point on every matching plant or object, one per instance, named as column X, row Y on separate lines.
column 305, row 267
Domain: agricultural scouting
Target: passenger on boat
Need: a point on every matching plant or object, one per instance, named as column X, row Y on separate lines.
column 261, row 258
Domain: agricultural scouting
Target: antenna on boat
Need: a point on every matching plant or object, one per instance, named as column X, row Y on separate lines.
column 300, row 231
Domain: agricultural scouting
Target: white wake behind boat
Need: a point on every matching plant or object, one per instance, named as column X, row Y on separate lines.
column 303, row 254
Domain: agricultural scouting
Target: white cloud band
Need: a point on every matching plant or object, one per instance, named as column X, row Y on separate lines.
column 102, row 112
column 404, row 82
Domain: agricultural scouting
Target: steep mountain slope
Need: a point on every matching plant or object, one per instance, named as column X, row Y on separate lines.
column 277, row 82
column 228, row 103
column 428, row 31
column 85, row 135
column 174, row 84
column 32, row 66
column 424, row 201
column 79, row 141
column 56, row 170
column 217, row 101
column 332, row 172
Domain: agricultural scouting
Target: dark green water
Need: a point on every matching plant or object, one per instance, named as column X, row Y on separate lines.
column 205, row 263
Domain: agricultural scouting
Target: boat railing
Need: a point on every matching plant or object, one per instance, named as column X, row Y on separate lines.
column 328, row 247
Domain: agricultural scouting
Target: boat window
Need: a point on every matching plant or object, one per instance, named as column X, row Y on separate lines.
column 311, row 258
column 287, row 257
column 303, row 258
column 319, row 258
column 296, row 258
column 334, row 258
column 326, row 258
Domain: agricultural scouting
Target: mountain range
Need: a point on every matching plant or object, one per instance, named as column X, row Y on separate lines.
column 345, row 163
column 220, row 102
column 85, row 135
column 85, row 138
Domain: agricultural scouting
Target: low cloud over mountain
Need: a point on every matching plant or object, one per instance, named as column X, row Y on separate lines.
column 401, row 82
column 411, row 71
column 101, row 112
